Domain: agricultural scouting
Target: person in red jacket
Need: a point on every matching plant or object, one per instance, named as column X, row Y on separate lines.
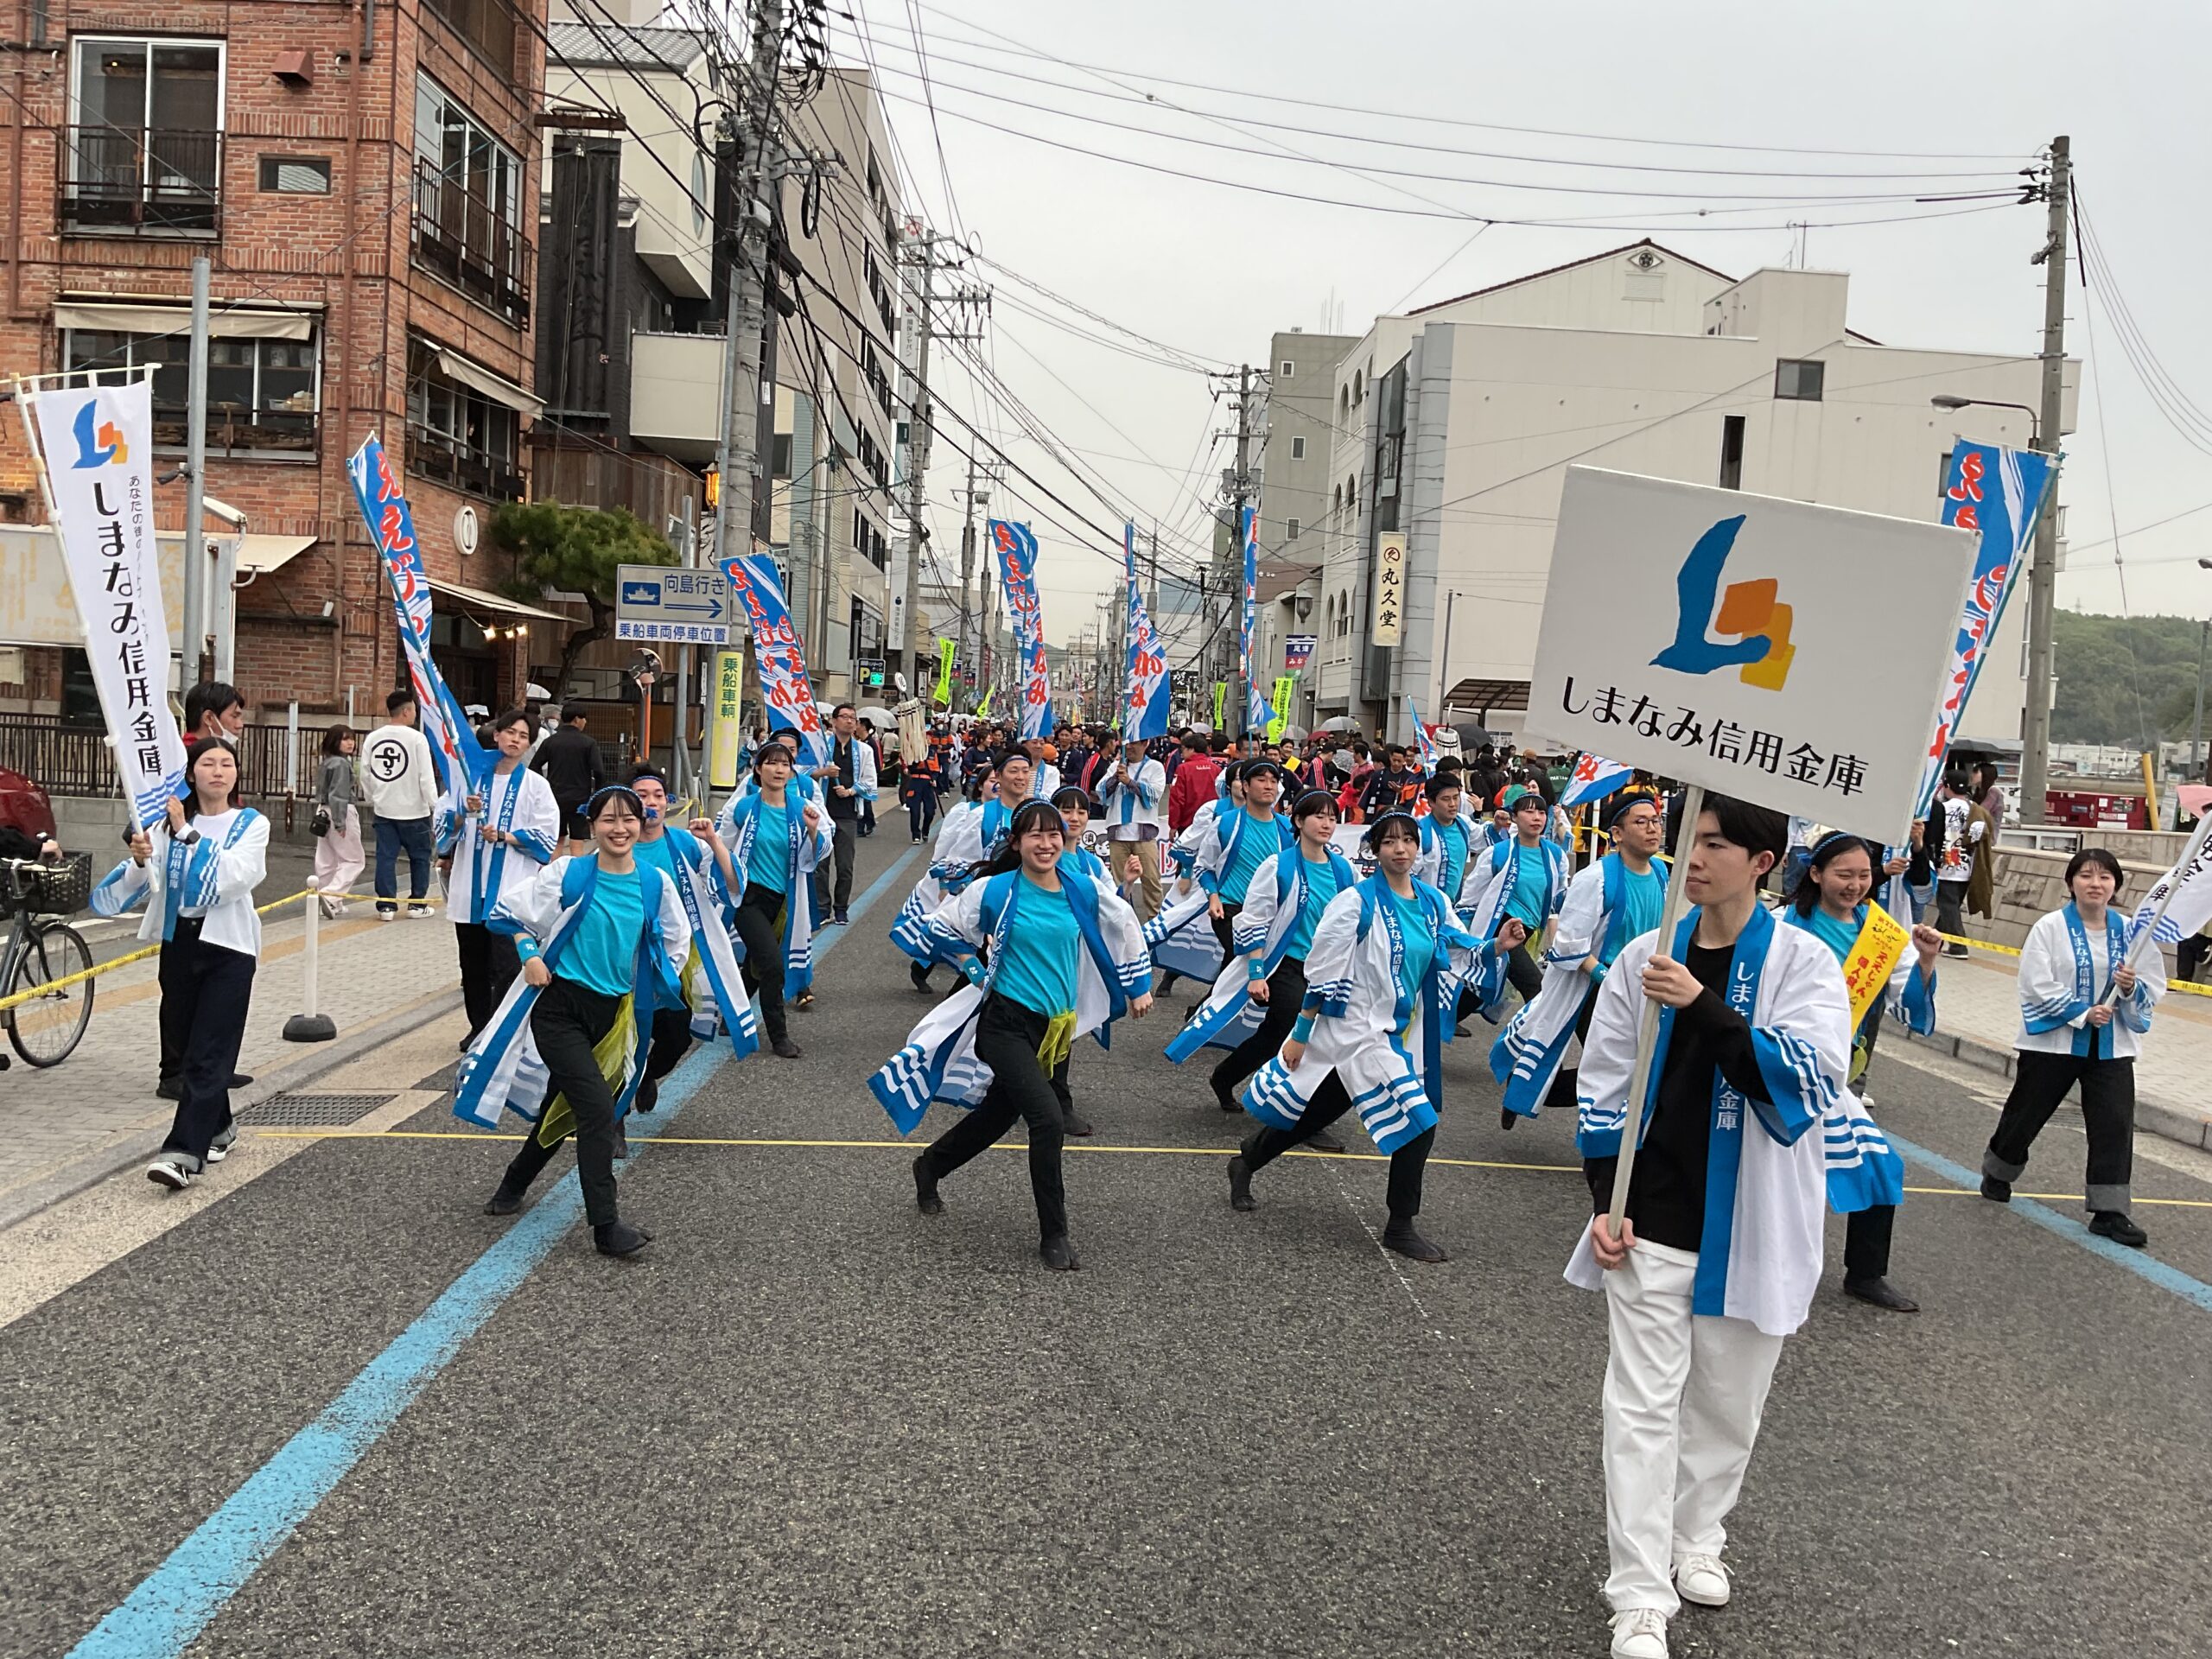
column 1195, row 783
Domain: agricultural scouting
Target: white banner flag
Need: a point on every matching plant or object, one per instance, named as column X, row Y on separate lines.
column 99, row 445
column 2180, row 901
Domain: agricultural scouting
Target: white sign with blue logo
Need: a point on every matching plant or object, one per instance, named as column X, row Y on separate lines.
column 1755, row 646
column 668, row 603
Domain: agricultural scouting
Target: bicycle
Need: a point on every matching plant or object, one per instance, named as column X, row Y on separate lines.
column 48, row 1024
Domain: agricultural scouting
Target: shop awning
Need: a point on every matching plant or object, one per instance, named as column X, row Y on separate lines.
column 1491, row 695
column 479, row 599
column 261, row 554
column 226, row 320
column 498, row 388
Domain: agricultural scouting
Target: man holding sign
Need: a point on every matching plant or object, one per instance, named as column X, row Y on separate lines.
column 1683, row 633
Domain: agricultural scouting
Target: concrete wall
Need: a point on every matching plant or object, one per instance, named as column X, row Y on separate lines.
column 2031, row 884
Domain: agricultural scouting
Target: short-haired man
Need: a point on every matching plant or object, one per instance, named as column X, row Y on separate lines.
column 1134, row 788
column 214, row 709
column 401, row 787
column 569, row 760
column 848, row 779
column 1720, row 1250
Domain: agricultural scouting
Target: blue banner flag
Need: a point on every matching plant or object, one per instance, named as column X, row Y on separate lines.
column 1594, row 778
column 1420, row 735
column 463, row 764
column 1144, row 712
column 784, row 686
column 1256, row 703
column 1017, row 551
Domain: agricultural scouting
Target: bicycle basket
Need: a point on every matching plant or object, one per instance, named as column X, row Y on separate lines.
column 60, row 889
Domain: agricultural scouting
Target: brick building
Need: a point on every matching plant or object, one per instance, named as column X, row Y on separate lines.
column 365, row 177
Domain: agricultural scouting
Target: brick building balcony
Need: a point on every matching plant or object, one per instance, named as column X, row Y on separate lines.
column 129, row 180
column 469, row 240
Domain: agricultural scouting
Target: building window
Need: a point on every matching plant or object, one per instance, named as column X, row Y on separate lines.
column 1942, row 483
column 779, row 456
column 487, row 25
column 1290, row 530
column 456, row 435
column 1732, row 452
column 299, row 175
column 1289, row 369
column 263, row 395
column 1799, row 379
column 467, row 187
column 1356, row 391
column 1297, row 449
column 143, row 151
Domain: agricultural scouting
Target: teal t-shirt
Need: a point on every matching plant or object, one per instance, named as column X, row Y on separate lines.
column 1643, row 899
column 1421, row 942
column 770, row 865
column 1838, row 935
column 1038, row 968
column 1320, row 888
column 1452, row 837
column 603, row 955
column 1531, row 879
column 1254, row 848
column 657, row 853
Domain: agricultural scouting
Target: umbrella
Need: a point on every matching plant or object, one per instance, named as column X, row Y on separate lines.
column 1294, row 734
column 1339, row 723
column 535, row 693
column 1471, row 736
column 877, row 716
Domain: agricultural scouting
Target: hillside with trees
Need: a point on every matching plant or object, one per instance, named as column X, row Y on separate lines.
column 2110, row 667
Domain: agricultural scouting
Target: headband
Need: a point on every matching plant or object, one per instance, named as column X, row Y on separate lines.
column 1829, row 845
column 1628, row 800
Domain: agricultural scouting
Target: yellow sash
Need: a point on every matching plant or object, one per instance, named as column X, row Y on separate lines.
column 1872, row 959
column 612, row 1052
column 1058, row 1044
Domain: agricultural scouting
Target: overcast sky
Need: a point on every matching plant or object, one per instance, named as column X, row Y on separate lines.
column 1212, row 271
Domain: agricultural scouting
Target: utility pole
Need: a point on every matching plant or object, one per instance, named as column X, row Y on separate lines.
column 919, row 431
column 969, row 658
column 2043, row 573
column 746, row 317
column 1240, row 493
column 2196, row 726
column 197, row 609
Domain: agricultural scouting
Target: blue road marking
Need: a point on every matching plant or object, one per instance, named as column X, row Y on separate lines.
column 2138, row 1263
column 180, row 1597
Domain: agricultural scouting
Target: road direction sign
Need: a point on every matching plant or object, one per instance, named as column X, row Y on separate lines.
column 666, row 602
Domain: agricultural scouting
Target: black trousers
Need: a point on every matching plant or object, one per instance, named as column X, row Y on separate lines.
column 488, row 967
column 205, row 991
column 844, row 842
column 1007, row 1036
column 568, row 1022
column 2188, row 956
column 1331, row 1102
column 670, row 1041
column 1867, row 1232
column 1286, row 990
column 760, row 925
column 921, row 810
column 1224, row 927
column 1951, row 907
column 2040, row 1082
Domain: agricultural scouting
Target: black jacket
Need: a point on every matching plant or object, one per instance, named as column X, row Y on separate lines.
column 569, row 760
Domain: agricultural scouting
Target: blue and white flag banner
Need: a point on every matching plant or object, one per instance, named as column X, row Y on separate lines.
column 784, row 686
column 97, row 446
column 463, row 764
column 1256, row 702
column 1998, row 494
column 1421, row 736
column 1593, row 779
column 1144, row 713
column 1017, row 551
column 2180, row 901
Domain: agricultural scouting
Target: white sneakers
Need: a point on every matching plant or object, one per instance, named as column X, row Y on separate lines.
column 219, row 1148
column 1640, row 1633
column 422, row 913
column 173, row 1170
column 1702, row 1580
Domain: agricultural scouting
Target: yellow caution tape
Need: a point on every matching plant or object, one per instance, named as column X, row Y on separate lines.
column 2181, row 985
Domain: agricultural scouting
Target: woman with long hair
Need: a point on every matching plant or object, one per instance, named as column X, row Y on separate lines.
column 1381, row 979
column 490, row 843
column 2084, row 1009
column 339, row 858
column 195, row 871
column 1050, row 952
column 1831, row 904
column 603, row 938
column 1258, row 996
column 776, row 836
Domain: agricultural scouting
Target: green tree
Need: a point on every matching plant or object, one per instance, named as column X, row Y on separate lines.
column 577, row 550
column 2127, row 681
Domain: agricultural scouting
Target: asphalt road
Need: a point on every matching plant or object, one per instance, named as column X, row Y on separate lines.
column 808, row 1422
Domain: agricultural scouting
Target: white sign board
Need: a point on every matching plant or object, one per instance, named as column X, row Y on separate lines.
column 1388, row 625
column 36, row 605
column 1753, row 645
column 671, row 604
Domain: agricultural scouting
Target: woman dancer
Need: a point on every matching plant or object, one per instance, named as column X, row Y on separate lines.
column 338, row 855
column 195, row 871
column 1830, row 903
column 1261, row 989
column 1064, row 957
column 495, row 842
column 969, row 836
column 775, row 836
column 1380, row 981
column 2084, row 1008
column 603, row 940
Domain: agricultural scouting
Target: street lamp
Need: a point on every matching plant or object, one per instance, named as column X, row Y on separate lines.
column 1946, row 400
column 2196, row 726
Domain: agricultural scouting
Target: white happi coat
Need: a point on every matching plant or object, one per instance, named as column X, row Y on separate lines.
column 937, row 1061
column 1272, row 906
column 1486, row 891
column 214, row 875
column 2065, row 968
column 1385, row 1045
column 971, row 832
column 1181, row 937
column 1761, row 1247
column 712, row 988
column 519, row 802
column 805, row 848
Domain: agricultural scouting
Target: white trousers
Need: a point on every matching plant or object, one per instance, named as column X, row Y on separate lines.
column 1682, row 1398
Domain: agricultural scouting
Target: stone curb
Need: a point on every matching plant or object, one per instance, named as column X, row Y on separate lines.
column 2169, row 1123
column 28, row 1200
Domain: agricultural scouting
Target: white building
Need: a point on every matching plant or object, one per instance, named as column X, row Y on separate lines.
column 1455, row 424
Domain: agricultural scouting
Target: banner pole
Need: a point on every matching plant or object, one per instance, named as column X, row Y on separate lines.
column 2189, row 855
column 1647, row 1023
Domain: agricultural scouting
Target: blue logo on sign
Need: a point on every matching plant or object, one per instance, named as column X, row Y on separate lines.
column 641, row 592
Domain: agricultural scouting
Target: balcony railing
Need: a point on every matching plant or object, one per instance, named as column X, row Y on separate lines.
column 162, row 182
column 244, row 434
column 463, row 465
column 469, row 241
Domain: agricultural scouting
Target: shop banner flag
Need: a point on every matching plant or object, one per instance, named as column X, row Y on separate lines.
column 463, row 763
column 1279, row 709
column 1017, row 551
column 98, row 446
column 784, row 686
column 946, row 650
column 1144, row 697
column 1220, row 702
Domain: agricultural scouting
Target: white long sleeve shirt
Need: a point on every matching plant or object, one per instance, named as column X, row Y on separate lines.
column 397, row 775
column 1136, row 810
